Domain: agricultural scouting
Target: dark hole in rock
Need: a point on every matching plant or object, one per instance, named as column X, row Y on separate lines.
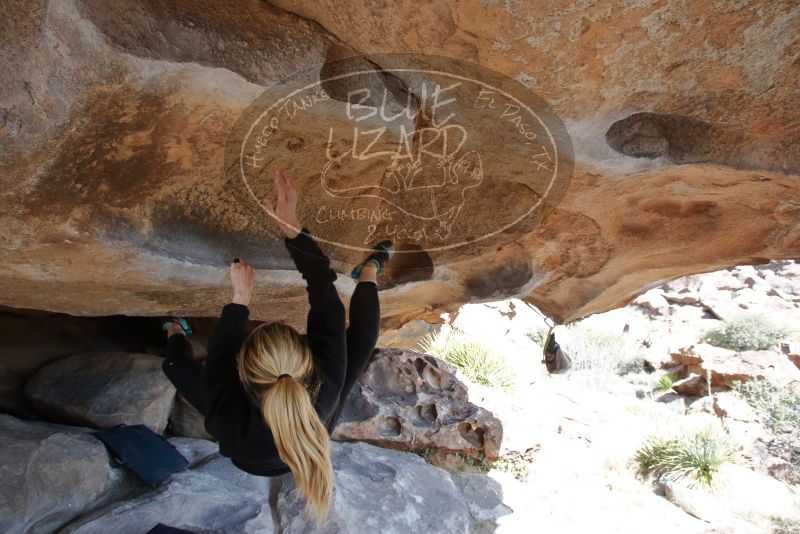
column 678, row 138
column 473, row 435
column 31, row 339
column 427, row 412
column 682, row 140
column 410, row 264
column 639, row 136
column 432, row 377
column 420, row 365
column 390, row 426
column 357, row 408
column 371, row 86
column 236, row 38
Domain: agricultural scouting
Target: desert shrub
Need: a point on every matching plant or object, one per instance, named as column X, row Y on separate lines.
column 747, row 332
column 480, row 464
column 476, row 360
column 633, row 366
column 782, row 525
column 597, row 355
column 779, row 406
column 517, row 465
column 779, row 409
column 428, row 454
column 695, row 457
column 666, row 381
column 538, row 335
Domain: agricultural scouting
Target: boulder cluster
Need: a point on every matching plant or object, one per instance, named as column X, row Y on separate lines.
column 406, row 401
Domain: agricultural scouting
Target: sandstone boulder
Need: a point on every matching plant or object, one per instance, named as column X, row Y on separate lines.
column 726, row 405
column 214, row 497
column 115, row 116
column 695, row 501
column 50, row 475
column 411, row 401
column 682, row 297
column 722, row 308
column 197, row 451
column 675, row 401
column 104, row 389
column 731, row 406
column 33, row 339
column 379, row 490
column 755, row 494
column 486, row 501
column 187, row 422
column 727, row 366
column 702, row 405
column 653, row 301
column 792, row 351
column 692, row 386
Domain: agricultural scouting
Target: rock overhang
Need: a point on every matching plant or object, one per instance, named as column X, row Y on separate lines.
column 116, row 200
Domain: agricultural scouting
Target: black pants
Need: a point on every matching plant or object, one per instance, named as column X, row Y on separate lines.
column 185, row 373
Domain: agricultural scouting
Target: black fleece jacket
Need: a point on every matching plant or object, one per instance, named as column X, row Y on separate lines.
column 232, row 418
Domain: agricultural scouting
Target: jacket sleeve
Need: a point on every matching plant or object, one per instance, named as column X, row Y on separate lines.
column 326, row 316
column 228, row 416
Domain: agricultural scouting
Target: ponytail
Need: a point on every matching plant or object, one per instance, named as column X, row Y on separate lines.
column 300, row 436
column 302, row 440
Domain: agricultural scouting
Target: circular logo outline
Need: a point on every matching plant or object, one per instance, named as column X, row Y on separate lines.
column 553, row 179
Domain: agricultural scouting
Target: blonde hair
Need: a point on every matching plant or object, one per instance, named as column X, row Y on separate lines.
column 301, row 438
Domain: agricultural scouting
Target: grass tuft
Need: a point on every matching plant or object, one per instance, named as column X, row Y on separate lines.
column 517, row 465
column 747, row 332
column 779, row 409
column 666, row 382
column 476, row 360
column 696, row 457
column 598, row 356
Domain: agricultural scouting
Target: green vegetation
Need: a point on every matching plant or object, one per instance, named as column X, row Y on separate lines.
column 784, row 526
column 666, row 382
column 477, row 361
column 518, row 465
column 779, row 409
column 634, row 366
column 480, row 464
column 538, row 336
column 597, row 356
column 747, row 332
column 428, row 454
column 779, row 406
column 696, row 457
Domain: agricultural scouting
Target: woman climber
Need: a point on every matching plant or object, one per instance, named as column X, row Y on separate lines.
column 272, row 398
